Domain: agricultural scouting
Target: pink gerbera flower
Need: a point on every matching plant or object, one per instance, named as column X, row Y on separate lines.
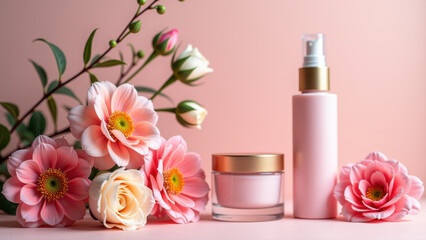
column 50, row 183
column 117, row 126
column 177, row 181
column 378, row 188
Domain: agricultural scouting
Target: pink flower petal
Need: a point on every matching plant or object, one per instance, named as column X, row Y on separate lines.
column 183, row 200
column 395, row 197
column 82, row 170
column 379, row 204
column 350, row 197
column 61, row 142
column 80, row 118
column 157, row 194
column 30, row 213
column 28, row 172
column 104, row 89
column 417, row 188
column 381, row 214
column 397, row 166
column 94, row 142
column 17, row 158
column 101, row 109
column 104, row 163
column 339, row 190
column 135, row 160
column 24, row 222
column 190, row 165
column 118, row 153
column 67, row 159
column 344, row 173
column 12, row 189
column 352, row 215
column 43, row 139
column 387, row 170
column 376, row 156
column 357, row 173
column 355, row 189
column 148, row 131
column 200, row 203
column 368, row 203
column 175, row 157
column 74, row 210
column 78, row 189
column 402, row 180
column 104, row 129
column 30, row 195
column 45, row 155
column 402, row 208
column 195, row 187
column 51, row 213
column 377, row 179
column 416, row 205
column 123, row 98
column 142, row 114
column 65, row 222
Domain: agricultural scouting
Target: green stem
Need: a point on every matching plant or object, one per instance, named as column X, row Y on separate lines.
column 151, row 57
column 172, row 110
column 171, row 80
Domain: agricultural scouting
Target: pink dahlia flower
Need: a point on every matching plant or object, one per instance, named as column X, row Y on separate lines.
column 117, row 126
column 50, row 183
column 177, row 181
column 377, row 189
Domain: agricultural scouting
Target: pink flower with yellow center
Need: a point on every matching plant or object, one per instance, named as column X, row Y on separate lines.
column 378, row 188
column 49, row 182
column 117, row 126
column 177, row 181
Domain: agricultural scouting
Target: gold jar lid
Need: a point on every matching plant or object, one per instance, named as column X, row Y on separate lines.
column 248, row 163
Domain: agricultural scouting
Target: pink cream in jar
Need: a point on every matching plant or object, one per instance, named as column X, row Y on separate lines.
column 248, row 187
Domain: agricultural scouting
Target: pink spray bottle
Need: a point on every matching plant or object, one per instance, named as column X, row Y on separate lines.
column 314, row 136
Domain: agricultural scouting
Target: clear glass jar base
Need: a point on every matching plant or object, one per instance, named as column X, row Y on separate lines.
column 247, row 215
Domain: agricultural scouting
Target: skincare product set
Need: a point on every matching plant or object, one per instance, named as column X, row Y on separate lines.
column 250, row 187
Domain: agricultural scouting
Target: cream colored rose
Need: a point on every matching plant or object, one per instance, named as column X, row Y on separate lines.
column 121, row 199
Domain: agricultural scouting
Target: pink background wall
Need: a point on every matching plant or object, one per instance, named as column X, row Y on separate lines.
column 376, row 51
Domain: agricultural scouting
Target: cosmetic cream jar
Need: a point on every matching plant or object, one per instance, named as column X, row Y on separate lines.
column 248, row 187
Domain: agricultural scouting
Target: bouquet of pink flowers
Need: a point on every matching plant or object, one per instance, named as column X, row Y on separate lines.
column 120, row 165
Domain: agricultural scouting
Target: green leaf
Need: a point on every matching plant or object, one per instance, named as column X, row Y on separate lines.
column 95, row 58
column 151, row 90
column 63, row 90
column 25, row 135
column 4, row 137
column 11, row 108
column 88, row 48
column 59, row 56
column 53, row 110
column 10, row 119
column 41, row 73
column 3, row 169
column 37, row 123
column 108, row 63
column 77, row 145
column 93, row 173
column 5, row 205
column 93, row 78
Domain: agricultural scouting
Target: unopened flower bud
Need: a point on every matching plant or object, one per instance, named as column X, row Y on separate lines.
column 161, row 9
column 135, row 27
column 190, row 66
column 112, row 43
column 141, row 2
column 140, row 54
column 165, row 44
column 190, row 114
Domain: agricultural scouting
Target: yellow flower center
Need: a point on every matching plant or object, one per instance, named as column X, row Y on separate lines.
column 375, row 193
column 122, row 122
column 173, row 181
column 52, row 184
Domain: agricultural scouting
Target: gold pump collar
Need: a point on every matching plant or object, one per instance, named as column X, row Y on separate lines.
column 313, row 79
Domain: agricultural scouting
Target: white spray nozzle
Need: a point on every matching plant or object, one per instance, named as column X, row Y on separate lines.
column 313, row 50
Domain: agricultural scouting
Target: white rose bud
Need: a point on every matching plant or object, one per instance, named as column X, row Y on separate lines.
column 121, row 199
column 191, row 65
column 190, row 114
